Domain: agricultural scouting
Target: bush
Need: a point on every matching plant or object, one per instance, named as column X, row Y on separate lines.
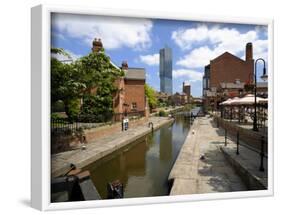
column 91, row 118
column 55, row 116
column 162, row 113
column 57, row 106
column 72, row 109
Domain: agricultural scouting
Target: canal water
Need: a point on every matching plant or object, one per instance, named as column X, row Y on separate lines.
column 144, row 166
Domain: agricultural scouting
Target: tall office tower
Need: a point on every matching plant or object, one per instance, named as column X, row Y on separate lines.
column 166, row 80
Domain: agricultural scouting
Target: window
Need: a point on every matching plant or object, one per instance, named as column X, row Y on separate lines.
column 134, row 106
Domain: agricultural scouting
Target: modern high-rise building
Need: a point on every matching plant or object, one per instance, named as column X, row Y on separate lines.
column 166, row 79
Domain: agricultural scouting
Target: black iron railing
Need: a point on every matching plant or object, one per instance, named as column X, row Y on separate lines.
column 67, row 126
column 261, row 148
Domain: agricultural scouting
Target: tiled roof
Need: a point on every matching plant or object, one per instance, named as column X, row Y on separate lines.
column 135, row 74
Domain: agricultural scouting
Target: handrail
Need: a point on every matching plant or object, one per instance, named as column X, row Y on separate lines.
column 261, row 152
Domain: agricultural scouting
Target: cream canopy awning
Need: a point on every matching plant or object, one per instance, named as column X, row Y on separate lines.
column 227, row 102
column 249, row 99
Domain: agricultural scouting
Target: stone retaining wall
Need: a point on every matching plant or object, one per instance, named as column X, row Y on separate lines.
column 252, row 181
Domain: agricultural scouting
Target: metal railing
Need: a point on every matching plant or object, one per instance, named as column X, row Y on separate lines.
column 65, row 126
column 261, row 150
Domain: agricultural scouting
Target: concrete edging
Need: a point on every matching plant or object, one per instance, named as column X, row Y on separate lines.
column 186, row 147
column 109, row 150
column 251, row 181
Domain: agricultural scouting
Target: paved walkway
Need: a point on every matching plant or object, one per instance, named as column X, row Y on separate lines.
column 192, row 175
column 101, row 147
column 248, row 164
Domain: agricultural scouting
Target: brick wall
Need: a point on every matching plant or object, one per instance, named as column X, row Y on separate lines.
column 92, row 134
column 134, row 93
column 186, row 89
column 119, row 96
column 227, row 68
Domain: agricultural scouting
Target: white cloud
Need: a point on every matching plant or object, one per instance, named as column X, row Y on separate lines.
column 215, row 41
column 115, row 32
column 150, row 59
column 197, row 58
column 190, row 75
column 184, row 38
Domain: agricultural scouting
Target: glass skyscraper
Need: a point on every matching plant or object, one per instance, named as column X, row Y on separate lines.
column 166, row 80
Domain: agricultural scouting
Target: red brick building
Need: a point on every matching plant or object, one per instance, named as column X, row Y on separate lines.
column 132, row 95
column 186, row 89
column 178, row 99
column 226, row 76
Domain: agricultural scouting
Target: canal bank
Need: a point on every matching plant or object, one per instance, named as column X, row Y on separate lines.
column 143, row 166
column 201, row 167
column 97, row 149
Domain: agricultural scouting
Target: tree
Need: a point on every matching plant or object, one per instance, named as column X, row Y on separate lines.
column 99, row 74
column 151, row 95
column 66, row 84
column 76, row 80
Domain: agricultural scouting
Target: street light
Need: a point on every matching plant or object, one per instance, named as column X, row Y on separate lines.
column 263, row 77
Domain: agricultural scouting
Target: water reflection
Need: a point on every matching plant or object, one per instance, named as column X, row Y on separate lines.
column 165, row 148
column 144, row 166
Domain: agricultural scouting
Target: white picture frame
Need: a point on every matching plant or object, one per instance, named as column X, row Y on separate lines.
column 40, row 162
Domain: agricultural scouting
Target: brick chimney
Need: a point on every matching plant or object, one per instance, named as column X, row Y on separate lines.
column 97, row 45
column 124, row 65
column 249, row 51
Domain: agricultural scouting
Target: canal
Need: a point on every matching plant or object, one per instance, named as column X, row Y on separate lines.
column 144, row 166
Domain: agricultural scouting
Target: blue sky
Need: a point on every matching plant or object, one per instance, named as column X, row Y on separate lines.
column 138, row 42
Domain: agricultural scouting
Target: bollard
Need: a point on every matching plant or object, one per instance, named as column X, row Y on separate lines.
column 237, row 141
column 262, row 154
column 218, row 122
column 225, row 137
column 151, row 123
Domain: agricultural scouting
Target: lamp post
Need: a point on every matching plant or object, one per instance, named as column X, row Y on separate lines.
column 264, row 77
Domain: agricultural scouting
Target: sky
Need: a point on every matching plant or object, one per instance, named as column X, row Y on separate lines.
column 138, row 41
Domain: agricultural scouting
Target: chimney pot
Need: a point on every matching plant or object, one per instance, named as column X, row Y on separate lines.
column 97, row 45
column 249, row 51
column 124, row 65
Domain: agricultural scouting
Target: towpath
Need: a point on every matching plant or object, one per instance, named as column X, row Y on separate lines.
column 101, row 147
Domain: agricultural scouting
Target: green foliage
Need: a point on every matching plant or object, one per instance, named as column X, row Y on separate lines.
column 55, row 116
column 72, row 109
column 97, row 70
column 57, row 106
column 94, row 108
column 162, row 113
column 70, row 82
column 150, row 94
column 100, row 74
column 66, row 82
column 59, row 51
